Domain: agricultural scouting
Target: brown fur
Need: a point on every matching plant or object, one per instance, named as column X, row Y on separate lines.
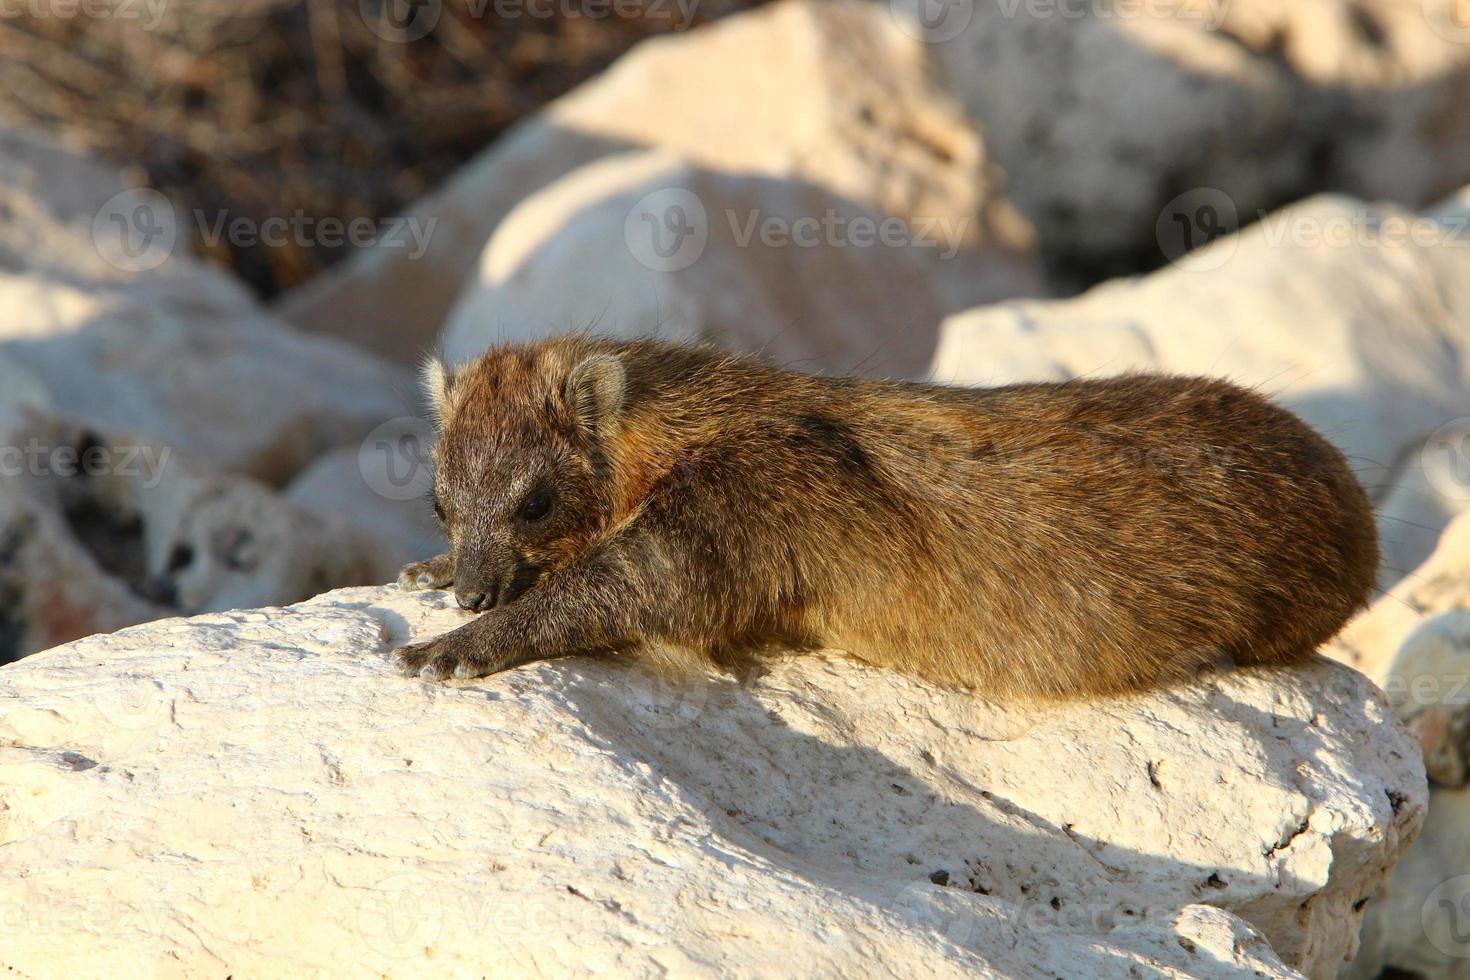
column 1033, row 540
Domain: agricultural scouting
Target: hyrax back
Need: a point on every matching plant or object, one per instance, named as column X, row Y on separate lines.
column 1035, row 540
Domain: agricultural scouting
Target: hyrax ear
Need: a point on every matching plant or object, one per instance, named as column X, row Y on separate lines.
column 439, row 391
column 594, row 393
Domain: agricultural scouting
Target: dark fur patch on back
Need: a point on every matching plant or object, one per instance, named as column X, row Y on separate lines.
column 836, row 440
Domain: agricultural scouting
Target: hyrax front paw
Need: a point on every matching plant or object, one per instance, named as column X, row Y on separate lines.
column 443, row 657
column 436, row 573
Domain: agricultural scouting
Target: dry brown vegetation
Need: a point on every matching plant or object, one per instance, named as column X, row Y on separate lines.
column 262, row 108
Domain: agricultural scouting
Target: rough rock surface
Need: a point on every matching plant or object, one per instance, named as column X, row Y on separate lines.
column 258, row 792
column 399, row 523
column 1427, row 487
column 187, row 395
column 1415, row 644
column 1102, row 115
column 176, row 349
column 1387, row 81
column 186, row 358
column 595, row 249
column 839, row 98
column 1417, row 922
column 49, row 197
column 101, row 529
column 1356, row 316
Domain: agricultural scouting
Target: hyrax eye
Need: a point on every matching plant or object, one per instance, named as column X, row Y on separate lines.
column 536, row 506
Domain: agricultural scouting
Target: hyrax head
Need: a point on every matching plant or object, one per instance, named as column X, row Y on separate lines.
column 522, row 483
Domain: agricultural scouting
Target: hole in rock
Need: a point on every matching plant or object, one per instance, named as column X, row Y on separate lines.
column 115, row 540
column 12, row 625
column 12, row 593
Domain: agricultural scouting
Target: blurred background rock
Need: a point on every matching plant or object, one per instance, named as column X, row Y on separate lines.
column 257, row 108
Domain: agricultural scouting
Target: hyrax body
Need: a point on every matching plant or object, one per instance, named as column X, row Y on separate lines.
column 1031, row 540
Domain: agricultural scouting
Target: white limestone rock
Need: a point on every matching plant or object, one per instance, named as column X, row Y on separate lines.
column 1414, row 642
column 113, row 338
column 647, row 244
column 101, row 529
column 201, row 370
column 1417, row 923
column 840, row 99
column 1356, row 316
column 1427, row 487
column 107, row 319
column 384, row 500
column 259, row 793
column 49, row 199
column 1107, row 117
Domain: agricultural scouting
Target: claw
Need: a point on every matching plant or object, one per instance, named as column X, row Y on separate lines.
column 455, row 654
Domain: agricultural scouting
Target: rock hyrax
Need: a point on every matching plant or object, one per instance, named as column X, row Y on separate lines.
column 1047, row 540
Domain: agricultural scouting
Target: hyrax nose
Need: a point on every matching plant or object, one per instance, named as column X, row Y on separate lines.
column 478, row 596
column 473, row 601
